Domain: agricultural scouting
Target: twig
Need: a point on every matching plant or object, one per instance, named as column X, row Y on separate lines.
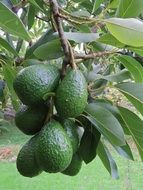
column 36, row 16
column 92, row 55
column 64, row 42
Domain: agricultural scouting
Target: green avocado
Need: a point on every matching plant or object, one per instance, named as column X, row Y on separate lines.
column 33, row 83
column 71, row 95
column 74, row 167
column 31, row 119
column 54, row 148
column 27, row 163
column 72, row 131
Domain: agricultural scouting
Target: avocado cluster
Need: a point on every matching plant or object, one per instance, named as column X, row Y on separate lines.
column 48, row 113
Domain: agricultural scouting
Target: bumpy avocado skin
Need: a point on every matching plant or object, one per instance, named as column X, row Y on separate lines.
column 31, row 119
column 72, row 131
column 71, row 95
column 34, row 82
column 27, row 163
column 74, row 167
column 54, row 148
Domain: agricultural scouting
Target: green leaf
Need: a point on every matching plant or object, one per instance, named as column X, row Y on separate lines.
column 9, row 76
column 133, row 66
column 135, row 126
column 81, row 37
column 107, row 160
column 110, row 40
column 88, row 145
column 106, row 123
column 124, row 151
column 114, row 4
column 114, row 110
column 129, row 8
column 31, row 16
column 11, row 23
column 50, row 50
column 118, row 77
column 33, row 2
column 46, row 37
column 134, row 93
column 7, row 46
column 127, row 31
column 96, row 5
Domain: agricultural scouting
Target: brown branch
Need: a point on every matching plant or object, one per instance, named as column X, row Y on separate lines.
column 93, row 55
column 63, row 40
column 54, row 7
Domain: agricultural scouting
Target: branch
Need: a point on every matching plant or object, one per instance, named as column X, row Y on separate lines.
column 93, row 55
column 40, row 18
column 63, row 40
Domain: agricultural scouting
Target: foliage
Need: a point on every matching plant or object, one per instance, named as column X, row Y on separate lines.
column 105, row 39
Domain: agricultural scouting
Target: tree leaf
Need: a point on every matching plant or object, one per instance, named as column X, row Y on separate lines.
column 110, row 40
column 88, row 145
column 11, row 23
column 129, row 8
column 134, row 93
column 50, row 50
column 7, row 46
column 46, row 37
column 124, row 151
column 80, row 37
column 114, row 110
column 133, row 66
column 33, row 2
column 127, row 31
column 9, row 76
column 31, row 16
column 135, row 126
column 97, row 4
column 107, row 160
column 106, row 123
column 118, row 77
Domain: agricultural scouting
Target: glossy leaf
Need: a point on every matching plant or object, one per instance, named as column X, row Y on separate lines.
column 106, row 123
column 31, row 16
column 11, row 23
column 129, row 8
column 88, row 145
column 50, row 50
column 133, row 66
column 107, row 160
column 135, row 126
column 7, row 46
column 133, row 92
column 114, row 110
column 47, row 36
column 110, row 40
column 128, row 31
column 124, row 151
column 81, row 37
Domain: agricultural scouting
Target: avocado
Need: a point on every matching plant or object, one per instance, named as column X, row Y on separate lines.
column 71, row 95
column 31, row 119
column 54, row 148
column 33, row 83
column 72, row 131
column 74, row 167
column 26, row 162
